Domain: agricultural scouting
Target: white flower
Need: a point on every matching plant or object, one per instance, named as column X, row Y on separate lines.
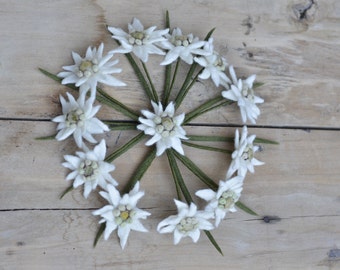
column 242, row 92
column 183, row 47
column 122, row 213
column 224, row 199
column 78, row 119
column 164, row 127
column 90, row 169
column 139, row 41
column 214, row 66
column 188, row 222
column 88, row 71
column 243, row 156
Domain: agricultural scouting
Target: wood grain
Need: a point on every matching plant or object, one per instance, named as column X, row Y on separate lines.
column 292, row 46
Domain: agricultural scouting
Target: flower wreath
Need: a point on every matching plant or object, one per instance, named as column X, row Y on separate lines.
column 162, row 125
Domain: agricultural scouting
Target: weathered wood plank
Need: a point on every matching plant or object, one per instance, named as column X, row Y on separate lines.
column 300, row 176
column 298, row 59
column 63, row 239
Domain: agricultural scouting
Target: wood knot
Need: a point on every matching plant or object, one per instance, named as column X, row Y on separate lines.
column 304, row 13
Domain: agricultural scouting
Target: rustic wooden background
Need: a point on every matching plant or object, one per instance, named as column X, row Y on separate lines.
column 292, row 46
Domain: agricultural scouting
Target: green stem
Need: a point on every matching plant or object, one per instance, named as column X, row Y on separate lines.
column 167, row 85
column 104, row 97
column 70, row 188
column 245, row 208
column 140, row 76
column 196, row 171
column 175, row 74
column 99, row 234
column 179, row 179
column 167, row 88
column 46, row 138
column 125, row 147
column 182, row 92
column 213, row 241
column 176, row 173
column 141, row 169
column 208, row 148
column 154, row 93
column 208, row 138
column 202, row 108
column 116, row 125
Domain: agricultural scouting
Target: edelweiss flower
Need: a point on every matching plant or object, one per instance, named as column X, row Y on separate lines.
column 214, row 66
column 224, row 199
column 243, row 156
column 183, row 47
column 139, row 41
column 164, row 127
column 122, row 213
column 188, row 222
column 90, row 169
column 78, row 119
column 242, row 92
column 88, row 71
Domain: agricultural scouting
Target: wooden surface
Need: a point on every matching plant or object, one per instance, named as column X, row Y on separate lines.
column 295, row 53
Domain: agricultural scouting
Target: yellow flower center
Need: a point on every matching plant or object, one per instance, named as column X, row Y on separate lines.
column 87, row 68
column 123, row 214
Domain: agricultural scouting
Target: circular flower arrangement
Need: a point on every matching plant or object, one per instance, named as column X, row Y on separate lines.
column 164, row 127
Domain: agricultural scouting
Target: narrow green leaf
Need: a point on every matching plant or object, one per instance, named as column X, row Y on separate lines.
column 167, row 89
column 205, row 106
column 175, row 74
column 257, row 84
column 209, row 34
column 50, row 75
column 154, row 92
column 225, row 139
column 70, row 188
column 125, row 147
column 140, row 77
column 223, row 103
column 105, row 98
column 166, row 92
column 167, row 19
column 245, row 208
column 176, row 173
column 205, row 147
column 46, row 138
column 210, row 138
column 116, row 125
column 196, row 171
column 99, row 233
column 183, row 90
column 213, row 241
column 179, row 179
column 141, row 169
